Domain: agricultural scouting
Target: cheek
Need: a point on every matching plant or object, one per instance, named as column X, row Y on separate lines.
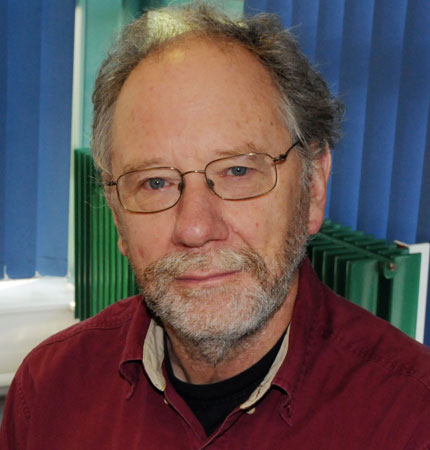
column 146, row 241
column 262, row 226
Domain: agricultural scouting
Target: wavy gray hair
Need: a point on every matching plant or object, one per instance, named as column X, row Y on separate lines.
column 311, row 113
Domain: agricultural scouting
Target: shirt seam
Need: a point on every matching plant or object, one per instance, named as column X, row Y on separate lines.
column 25, row 407
column 310, row 340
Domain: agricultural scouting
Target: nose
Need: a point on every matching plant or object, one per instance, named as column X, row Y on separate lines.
column 199, row 218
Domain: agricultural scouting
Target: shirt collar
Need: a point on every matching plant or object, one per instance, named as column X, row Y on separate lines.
column 131, row 358
column 153, row 355
column 264, row 386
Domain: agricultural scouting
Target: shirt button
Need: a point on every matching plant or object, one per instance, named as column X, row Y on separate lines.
column 250, row 411
column 165, row 401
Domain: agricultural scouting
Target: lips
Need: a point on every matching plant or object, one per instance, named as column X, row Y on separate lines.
column 205, row 277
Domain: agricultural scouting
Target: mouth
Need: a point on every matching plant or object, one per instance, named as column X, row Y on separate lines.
column 206, row 278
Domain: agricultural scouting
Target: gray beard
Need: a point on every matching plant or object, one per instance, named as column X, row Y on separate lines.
column 213, row 322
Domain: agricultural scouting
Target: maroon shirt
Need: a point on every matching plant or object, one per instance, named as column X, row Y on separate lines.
column 349, row 381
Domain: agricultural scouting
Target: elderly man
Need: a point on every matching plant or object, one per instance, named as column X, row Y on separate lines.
column 212, row 137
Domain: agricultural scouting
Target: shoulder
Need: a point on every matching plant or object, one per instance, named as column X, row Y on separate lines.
column 104, row 336
column 384, row 374
column 77, row 363
column 339, row 323
column 339, row 332
column 114, row 316
column 372, row 340
column 352, row 368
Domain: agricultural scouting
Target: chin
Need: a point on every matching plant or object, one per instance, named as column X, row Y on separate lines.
column 217, row 318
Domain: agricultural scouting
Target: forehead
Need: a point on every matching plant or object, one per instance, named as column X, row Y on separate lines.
column 195, row 94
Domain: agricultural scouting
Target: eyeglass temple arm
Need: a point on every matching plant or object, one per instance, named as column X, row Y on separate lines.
column 283, row 157
column 111, row 183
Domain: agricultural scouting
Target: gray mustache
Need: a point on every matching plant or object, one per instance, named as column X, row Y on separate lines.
column 176, row 265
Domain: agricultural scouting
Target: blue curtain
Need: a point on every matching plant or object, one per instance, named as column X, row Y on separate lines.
column 375, row 54
column 36, row 68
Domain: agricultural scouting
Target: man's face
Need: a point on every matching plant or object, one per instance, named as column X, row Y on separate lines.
column 191, row 104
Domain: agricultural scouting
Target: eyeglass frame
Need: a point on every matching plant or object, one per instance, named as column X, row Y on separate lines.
column 181, row 186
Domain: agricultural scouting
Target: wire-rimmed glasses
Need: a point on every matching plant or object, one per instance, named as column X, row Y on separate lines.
column 237, row 177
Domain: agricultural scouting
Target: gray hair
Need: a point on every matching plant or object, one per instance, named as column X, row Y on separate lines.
column 311, row 113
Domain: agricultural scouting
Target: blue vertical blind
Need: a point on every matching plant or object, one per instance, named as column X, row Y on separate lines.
column 375, row 54
column 36, row 68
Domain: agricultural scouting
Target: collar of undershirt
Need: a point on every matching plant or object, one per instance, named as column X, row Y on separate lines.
column 153, row 356
column 237, row 388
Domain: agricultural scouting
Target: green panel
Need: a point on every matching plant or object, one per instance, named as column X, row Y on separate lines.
column 315, row 241
column 347, row 234
column 329, row 227
column 318, row 255
column 404, row 295
column 103, row 275
column 390, row 252
column 340, row 263
column 78, row 229
column 378, row 245
column 360, row 241
column 83, row 175
column 362, row 282
column 318, row 239
column 378, row 276
column 328, row 264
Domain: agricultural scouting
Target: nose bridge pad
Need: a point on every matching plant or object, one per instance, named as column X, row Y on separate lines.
column 182, row 184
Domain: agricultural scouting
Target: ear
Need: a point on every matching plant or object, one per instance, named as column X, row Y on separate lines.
column 111, row 200
column 318, row 191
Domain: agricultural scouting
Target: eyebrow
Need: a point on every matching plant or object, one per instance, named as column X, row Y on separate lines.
column 143, row 164
column 241, row 151
column 247, row 148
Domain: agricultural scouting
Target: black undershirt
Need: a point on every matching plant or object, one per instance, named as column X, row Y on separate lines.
column 211, row 403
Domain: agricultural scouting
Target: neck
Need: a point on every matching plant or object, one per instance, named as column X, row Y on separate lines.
column 189, row 366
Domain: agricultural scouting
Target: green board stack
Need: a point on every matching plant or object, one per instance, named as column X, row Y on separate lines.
column 380, row 277
column 102, row 273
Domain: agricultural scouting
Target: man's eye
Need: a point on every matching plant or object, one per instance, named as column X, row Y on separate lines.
column 238, row 171
column 155, row 183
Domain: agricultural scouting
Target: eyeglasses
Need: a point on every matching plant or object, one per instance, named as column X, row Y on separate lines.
column 232, row 178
